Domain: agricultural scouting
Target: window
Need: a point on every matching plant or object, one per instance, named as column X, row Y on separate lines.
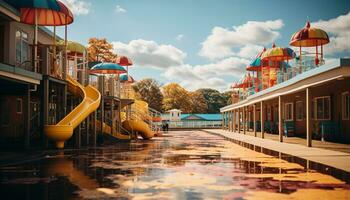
column 22, row 47
column 19, row 106
column 288, row 114
column 299, row 110
column 323, row 108
column 345, row 99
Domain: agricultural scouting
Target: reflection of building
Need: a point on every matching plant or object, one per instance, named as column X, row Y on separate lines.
column 178, row 120
column 310, row 98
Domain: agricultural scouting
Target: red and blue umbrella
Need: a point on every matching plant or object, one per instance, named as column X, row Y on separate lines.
column 107, row 68
column 126, row 79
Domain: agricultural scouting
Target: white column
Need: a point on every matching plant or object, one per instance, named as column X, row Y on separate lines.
column 244, row 120
column 308, row 127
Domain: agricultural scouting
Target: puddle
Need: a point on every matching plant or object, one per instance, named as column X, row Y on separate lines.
column 181, row 165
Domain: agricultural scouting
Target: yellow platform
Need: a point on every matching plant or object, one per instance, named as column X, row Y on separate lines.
column 62, row 131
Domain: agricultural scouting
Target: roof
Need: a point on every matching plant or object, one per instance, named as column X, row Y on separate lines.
column 207, row 117
column 275, row 90
column 174, row 110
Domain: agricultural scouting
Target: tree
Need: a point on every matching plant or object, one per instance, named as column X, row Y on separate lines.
column 176, row 97
column 100, row 50
column 148, row 90
column 199, row 104
column 227, row 96
column 214, row 99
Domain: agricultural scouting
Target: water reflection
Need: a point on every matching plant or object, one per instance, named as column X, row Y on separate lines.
column 182, row 165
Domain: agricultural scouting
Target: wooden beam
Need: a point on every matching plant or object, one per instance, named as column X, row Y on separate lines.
column 262, row 119
column 280, row 133
column 254, row 118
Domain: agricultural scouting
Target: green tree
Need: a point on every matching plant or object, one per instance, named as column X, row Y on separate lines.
column 227, row 95
column 176, row 97
column 199, row 104
column 149, row 91
column 215, row 100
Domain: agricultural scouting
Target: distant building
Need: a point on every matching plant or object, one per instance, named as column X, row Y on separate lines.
column 176, row 119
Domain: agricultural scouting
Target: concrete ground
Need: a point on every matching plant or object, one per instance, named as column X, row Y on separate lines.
column 327, row 153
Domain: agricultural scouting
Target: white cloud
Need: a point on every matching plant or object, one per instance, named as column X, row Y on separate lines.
column 249, row 51
column 78, row 7
column 208, row 75
column 220, row 42
column 120, row 9
column 179, row 37
column 339, row 31
column 150, row 54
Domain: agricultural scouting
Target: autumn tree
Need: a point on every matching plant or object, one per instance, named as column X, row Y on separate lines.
column 149, row 91
column 100, row 50
column 227, row 97
column 176, row 97
column 199, row 104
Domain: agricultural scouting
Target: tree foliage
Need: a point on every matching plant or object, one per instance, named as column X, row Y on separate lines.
column 100, row 50
column 199, row 104
column 215, row 100
column 176, row 97
column 149, row 91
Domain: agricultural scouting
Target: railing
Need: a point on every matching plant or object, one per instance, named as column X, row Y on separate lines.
column 303, row 65
column 195, row 124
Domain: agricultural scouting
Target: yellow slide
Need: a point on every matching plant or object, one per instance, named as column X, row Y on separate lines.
column 107, row 129
column 139, row 126
column 64, row 129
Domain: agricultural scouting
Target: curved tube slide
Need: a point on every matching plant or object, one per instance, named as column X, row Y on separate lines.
column 64, row 129
column 140, row 126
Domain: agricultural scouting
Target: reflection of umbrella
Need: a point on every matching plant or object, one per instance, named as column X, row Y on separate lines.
column 43, row 13
column 107, row 68
column 278, row 54
column 310, row 37
column 126, row 79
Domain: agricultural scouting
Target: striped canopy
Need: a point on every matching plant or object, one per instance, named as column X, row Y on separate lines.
column 309, row 37
column 47, row 16
column 107, row 68
column 126, row 79
column 278, row 54
column 124, row 61
column 74, row 47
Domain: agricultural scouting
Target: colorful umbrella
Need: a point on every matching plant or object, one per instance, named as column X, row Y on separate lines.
column 278, row 54
column 107, row 68
column 126, row 79
column 256, row 63
column 43, row 13
column 310, row 37
column 123, row 61
column 74, row 47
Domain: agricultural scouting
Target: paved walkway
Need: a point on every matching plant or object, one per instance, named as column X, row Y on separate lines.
column 336, row 159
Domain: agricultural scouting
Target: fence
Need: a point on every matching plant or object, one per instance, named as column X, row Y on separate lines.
column 198, row 124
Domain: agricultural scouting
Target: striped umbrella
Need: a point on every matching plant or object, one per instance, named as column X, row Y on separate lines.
column 310, row 37
column 43, row 13
column 255, row 65
column 278, row 54
column 124, row 61
column 107, row 68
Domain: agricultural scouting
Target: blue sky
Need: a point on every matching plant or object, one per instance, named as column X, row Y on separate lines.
column 176, row 41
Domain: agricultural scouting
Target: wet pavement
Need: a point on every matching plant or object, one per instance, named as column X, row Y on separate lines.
column 180, row 165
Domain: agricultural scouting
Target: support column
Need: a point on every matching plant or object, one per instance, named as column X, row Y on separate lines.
column 87, row 129
column 239, row 120
column 45, row 109
column 234, row 120
column 244, row 120
column 112, row 116
column 27, row 122
column 308, row 121
column 280, row 119
column 262, row 119
column 94, row 130
column 222, row 121
column 254, row 119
